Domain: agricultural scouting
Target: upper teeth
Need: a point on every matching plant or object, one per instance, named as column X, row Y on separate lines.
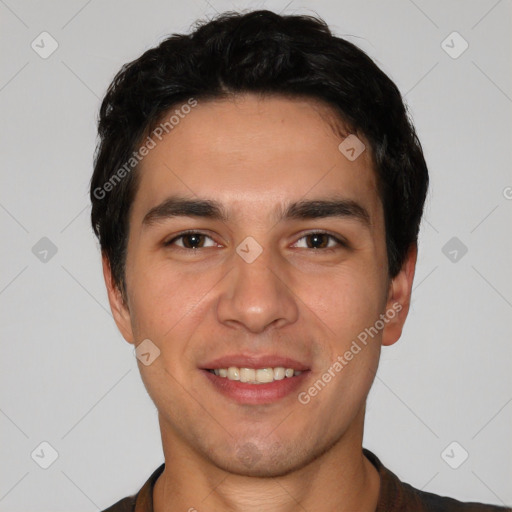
column 256, row 375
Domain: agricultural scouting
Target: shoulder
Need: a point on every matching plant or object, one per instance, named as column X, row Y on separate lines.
column 143, row 500
column 436, row 503
column 398, row 496
column 124, row 505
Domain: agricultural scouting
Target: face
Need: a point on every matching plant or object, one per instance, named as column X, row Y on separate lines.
column 256, row 246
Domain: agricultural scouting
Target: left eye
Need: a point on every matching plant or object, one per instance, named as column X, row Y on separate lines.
column 319, row 241
column 192, row 241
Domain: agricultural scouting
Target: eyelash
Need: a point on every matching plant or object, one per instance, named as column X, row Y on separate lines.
column 341, row 243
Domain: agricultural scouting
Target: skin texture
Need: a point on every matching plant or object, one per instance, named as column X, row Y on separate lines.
column 255, row 155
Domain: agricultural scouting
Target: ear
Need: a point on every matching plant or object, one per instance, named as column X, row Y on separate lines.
column 399, row 298
column 119, row 308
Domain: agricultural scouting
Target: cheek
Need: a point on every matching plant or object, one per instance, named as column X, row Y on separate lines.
column 347, row 301
column 165, row 299
column 152, row 295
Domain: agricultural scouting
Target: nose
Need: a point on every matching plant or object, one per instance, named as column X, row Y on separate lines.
column 257, row 296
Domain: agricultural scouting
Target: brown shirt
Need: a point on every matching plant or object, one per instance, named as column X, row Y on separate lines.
column 394, row 496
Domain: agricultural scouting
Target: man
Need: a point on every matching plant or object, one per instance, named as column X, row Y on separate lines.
column 257, row 194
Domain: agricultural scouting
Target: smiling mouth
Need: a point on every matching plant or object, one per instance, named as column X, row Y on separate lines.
column 255, row 375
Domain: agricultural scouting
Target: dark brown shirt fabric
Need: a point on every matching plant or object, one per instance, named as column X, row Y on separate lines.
column 394, row 496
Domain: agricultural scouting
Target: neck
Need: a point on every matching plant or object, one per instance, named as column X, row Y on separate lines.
column 341, row 479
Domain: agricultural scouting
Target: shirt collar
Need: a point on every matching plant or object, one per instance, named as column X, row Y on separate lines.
column 393, row 494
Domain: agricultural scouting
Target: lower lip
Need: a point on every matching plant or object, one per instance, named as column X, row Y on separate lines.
column 267, row 393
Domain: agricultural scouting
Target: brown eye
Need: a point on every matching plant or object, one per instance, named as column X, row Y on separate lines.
column 191, row 240
column 319, row 240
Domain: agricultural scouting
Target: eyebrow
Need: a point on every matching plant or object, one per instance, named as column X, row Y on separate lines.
column 305, row 209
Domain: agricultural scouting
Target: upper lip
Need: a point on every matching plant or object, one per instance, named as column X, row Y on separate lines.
column 254, row 361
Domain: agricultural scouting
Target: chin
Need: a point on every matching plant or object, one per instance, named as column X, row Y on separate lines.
column 268, row 462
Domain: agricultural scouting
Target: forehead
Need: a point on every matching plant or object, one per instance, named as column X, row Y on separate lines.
column 249, row 151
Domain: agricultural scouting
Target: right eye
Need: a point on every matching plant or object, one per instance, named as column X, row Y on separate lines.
column 191, row 240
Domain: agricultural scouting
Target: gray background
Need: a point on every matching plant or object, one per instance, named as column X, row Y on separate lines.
column 67, row 376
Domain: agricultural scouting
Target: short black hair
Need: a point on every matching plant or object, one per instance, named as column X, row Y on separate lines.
column 268, row 54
